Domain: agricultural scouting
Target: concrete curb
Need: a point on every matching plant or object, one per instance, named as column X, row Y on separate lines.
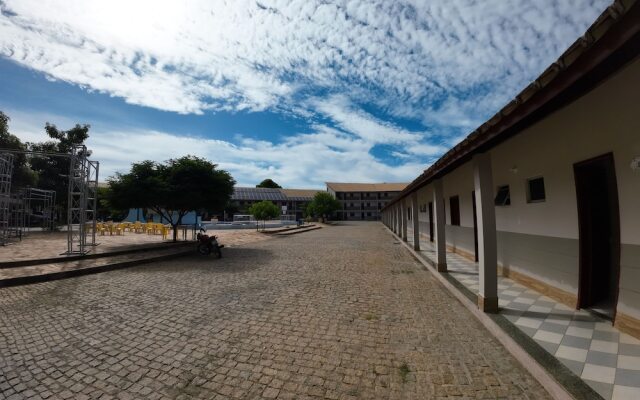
column 26, row 280
column 52, row 260
column 295, row 232
column 556, row 390
column 281, row 230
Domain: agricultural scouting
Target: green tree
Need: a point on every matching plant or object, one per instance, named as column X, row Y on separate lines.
column 263, row 211
column 53, row 172
column 106, row 211
column 323, row 206
column 22, row 175
column 268, row 183
column 173, row 188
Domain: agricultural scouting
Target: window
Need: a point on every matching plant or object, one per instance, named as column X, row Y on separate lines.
column 351, row 214
column 368, row 214
column 535, row 190
column 503, row 198
column 454, row 210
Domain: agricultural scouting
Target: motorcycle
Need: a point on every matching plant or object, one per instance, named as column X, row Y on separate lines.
column 208, row 244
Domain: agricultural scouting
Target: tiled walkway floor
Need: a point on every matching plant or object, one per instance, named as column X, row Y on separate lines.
column 605, row 358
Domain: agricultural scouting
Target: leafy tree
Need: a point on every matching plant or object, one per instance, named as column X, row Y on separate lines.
column 53, row 171
column 323, row 206
column 268, row 183
column 264, row 210
column 105, row 210
column 22, row 175
column 173, row 188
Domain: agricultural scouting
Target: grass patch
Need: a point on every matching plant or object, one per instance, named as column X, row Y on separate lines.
column 404, row 372
column 371, row 317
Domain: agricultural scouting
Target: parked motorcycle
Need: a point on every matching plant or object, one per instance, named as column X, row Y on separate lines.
column 208, row 244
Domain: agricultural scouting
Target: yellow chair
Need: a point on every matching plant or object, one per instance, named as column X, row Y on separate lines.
column 119, row 229
column 137, row 227
column 100, row 228
column 149, row 228
column 166, row 229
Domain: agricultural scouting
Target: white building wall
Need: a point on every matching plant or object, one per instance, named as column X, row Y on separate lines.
column 425, row 196
column 605, row 120
column 541, row 239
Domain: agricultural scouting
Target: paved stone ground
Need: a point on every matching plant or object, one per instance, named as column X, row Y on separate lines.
column 337, row 313
column 51, row 244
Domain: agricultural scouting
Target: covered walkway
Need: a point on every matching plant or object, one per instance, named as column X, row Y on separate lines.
column 591, row 348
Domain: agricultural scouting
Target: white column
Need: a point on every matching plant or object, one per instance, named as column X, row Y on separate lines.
column 487, row 241
column 405, row 217
column 438, row 213
column 416, row 222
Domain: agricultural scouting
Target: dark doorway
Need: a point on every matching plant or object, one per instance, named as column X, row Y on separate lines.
column 475, row 225
column 599, row 234
column 430, row 222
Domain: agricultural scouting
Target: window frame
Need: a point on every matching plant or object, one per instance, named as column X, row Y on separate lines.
column 528, row 187
column 454, row 200
column 507, row 199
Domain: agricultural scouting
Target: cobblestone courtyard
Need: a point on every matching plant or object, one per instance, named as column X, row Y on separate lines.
column 338, row 313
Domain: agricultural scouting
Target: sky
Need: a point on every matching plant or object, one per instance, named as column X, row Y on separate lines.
column 299, row 91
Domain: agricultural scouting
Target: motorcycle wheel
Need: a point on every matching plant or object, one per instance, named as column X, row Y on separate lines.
column 217, row 253
column 204, row 249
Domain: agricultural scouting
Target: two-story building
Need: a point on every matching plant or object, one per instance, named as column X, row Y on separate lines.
column 362, row 201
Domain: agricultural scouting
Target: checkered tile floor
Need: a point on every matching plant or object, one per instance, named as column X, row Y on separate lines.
column 606, row 359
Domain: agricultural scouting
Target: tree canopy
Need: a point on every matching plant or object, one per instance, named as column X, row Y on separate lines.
column 173, row 188
column 22, row 174
column 53, row 172
column 264, row 210
column 322, row 206
column 268, row 183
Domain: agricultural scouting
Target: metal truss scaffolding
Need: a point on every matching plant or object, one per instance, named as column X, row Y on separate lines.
column 82, row 206
column 16, row 210
column 17, row 213
column 6, row 170
column 39, row 208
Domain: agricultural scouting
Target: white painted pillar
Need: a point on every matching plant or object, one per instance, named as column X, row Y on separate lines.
column 416, row 222
column 438, row 213
column 487, row 240
column 405, row 217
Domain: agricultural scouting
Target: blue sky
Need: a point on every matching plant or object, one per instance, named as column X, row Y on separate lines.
column 301, row 91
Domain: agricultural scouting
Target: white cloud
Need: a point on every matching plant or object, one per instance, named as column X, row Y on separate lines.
column 449, row 64
column 254, row 55
column 301, row 160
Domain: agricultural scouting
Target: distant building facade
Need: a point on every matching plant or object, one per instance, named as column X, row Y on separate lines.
column 363, row 201
column 294, row 201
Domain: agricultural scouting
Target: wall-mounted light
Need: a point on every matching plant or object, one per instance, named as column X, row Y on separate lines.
column 635, row 164
column 514, row 169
